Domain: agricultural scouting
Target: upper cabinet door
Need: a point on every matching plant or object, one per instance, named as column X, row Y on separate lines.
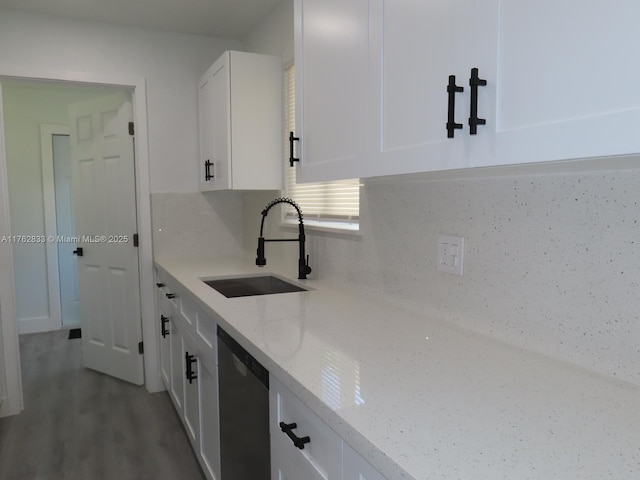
column 214, row 102
column 423, row 44
column 337, row 89
column 563, row 73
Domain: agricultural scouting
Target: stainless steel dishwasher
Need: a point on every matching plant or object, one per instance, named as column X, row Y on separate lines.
column 244, row 413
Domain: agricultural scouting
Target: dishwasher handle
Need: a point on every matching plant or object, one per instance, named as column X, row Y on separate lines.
column 297, row 441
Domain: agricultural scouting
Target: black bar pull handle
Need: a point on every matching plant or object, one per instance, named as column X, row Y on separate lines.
column 189, row 361
column 163, row 322
column 292, row 139
column 79, row 252
column 207, row 170
column 170, row 295
column 474, row 82
column 160, row 285
column 452, row 89
column 297, row 441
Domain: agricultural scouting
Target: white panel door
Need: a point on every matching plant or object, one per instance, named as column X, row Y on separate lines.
column 105, row 206
column 564, row 73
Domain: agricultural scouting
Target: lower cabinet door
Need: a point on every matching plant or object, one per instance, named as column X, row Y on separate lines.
column 354, row 467
column 290, row 465
column 177, row 371
column 321, row 455
column 209, row 424
column 165, row 344
column 191, row 372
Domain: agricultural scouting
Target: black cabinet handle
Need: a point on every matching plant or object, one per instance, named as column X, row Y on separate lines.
column 207, row 170
column 79, row 252
column 163, row 321
column 474, row 82
column 159, row 285
column 297, row 441
column 170, row 295
column 452, row 89
column 189, row 361
column 291, row 157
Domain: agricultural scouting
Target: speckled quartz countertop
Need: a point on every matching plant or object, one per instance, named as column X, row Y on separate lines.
column 422, row 399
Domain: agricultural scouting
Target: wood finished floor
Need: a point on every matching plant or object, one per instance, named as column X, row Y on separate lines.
column 80, row 424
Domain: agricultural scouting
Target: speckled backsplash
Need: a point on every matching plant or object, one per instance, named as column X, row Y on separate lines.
column 196, row 224
column 552, row 261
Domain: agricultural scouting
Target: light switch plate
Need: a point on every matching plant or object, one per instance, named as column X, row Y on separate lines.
column 451, row 254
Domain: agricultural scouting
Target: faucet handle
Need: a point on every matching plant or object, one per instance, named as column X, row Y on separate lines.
column 261, row 261
column 307, row 268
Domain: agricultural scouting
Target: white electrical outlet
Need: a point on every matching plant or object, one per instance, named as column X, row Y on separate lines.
column 450, row 254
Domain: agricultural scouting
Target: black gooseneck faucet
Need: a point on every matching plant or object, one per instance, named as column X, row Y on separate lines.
column 303, row 261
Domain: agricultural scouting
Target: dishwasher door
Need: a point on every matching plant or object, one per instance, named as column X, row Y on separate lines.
column 245, row 450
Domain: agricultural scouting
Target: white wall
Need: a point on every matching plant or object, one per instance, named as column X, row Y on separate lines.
column 170, row 62
column 274, row 35
column 551, row 261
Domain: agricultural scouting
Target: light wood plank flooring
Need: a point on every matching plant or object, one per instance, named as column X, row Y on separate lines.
column 80, row 424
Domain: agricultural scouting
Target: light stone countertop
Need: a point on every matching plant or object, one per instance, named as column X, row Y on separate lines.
column 420, row 398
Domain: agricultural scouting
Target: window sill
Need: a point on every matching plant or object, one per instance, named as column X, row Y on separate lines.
column 324, row 226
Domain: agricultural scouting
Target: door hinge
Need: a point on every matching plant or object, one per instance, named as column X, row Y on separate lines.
column 132, row 131
column 140, row 348
column 136, row 240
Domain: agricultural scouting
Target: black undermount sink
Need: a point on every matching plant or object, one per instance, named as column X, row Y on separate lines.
column 249, row 286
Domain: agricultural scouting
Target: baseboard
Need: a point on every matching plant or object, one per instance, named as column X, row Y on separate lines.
column 37, row 325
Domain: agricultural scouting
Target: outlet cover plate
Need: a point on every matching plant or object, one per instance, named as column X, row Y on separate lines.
column 451, row 254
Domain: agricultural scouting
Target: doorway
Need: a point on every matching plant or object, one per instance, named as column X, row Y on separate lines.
column 65, row 229
column 8, row 316
column 40, row 196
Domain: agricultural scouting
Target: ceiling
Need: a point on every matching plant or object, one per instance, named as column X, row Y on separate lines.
column 217, row 18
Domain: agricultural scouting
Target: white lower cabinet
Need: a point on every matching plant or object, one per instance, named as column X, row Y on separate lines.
column 177, row 383
column 354, row 467
column 189, row 366
column 164, row 319
column 209, row 421
column 321, row 456
column 189, row 371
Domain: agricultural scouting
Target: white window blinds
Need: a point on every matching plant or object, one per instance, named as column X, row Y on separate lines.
column 335, row 202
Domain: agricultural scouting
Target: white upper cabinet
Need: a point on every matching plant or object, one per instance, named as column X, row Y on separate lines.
column 372, row 80
column 424, row 43
column 337, row 60
column 561, row 78
column 240, row 123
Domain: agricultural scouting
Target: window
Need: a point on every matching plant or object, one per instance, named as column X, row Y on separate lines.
column 326, row 204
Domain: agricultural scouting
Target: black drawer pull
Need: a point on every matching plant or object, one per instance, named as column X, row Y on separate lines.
column 163, row 322
column 159, row 285
column 79, row 252
column 297, row 441
column 170, row 295
column 452, row 89
column 474, row 82
column 190, row 360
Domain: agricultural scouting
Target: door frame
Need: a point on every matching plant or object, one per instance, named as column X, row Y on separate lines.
column 13, row 402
